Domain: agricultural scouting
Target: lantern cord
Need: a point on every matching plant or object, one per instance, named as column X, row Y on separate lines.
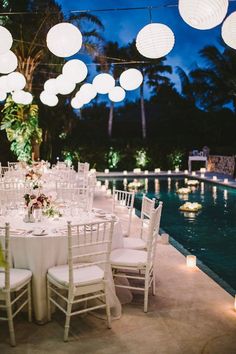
column 150, row 13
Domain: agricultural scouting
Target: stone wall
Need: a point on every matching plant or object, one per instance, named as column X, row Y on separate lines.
column 222, row 164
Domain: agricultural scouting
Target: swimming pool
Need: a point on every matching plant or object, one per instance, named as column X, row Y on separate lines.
column 209, row 234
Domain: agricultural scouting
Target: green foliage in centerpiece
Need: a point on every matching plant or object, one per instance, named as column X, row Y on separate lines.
column 52, row 212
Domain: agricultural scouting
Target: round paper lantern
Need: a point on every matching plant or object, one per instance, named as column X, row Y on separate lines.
column 16, row 81
column 51, row 86
column 64, row 40
column 64, row 86
column 27, row 98
column 3, row 96
column 203, row 14
column 103, row 83
column 155, row 40
column 4, row 84
column 5, row 40
column 117, row 94
column 228, row 30
column 48, row 99
column 76, row 104
column 89, row 90
column 131, row 79
column 83, row 97
column 22, row 97
column 8, row 62
column 75, row 70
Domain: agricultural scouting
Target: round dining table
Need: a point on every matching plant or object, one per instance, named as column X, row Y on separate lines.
column 41, row 245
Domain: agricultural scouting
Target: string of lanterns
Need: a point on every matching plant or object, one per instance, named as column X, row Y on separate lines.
column 153, row 41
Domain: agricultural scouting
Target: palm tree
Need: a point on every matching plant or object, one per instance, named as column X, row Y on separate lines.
column 152, row 71
column 215, row 85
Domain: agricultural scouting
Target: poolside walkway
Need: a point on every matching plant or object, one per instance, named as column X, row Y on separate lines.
column 190, row 314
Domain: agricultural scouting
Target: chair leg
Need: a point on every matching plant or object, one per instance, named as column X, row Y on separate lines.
column 48, row 300
column 67, row 324
column 146, row 294
column 29, row 303
column 153, row 283
column 108, row 310
column 10, row 321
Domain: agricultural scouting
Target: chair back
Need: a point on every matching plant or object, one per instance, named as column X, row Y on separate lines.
column 89, row 245
column 83, row 167
column 148, row 206
column 12, row 165
column 79, row 197
column 123, row 201
column 153, row 231
column 5, row 254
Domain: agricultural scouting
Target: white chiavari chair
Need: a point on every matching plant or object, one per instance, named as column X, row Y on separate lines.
column 83, row 167
column 76, row 197
column 13, row 281
column 138, row 265
column 85, row 277
column 12, row 165
column 122, row 205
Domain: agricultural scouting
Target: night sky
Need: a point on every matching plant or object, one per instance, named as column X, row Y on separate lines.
column 123, row 26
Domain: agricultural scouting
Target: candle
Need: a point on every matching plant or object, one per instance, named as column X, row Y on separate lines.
column 191, row 261
column 157, row 170
column 185, row 172
column 214, row 178
column 193, row 173
column 125, row 172
column 169, row 172
column 106, row 170
column 146, row 172
column 177, row 169
column 202, row 175
column 226, row 180
column 202, row 170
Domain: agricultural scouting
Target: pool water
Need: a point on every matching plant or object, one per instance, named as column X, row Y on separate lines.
column 209, row 234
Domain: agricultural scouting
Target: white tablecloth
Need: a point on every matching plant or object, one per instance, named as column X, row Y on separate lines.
column 39, row 253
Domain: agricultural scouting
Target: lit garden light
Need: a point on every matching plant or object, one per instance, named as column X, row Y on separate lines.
column 16, row 81
column 131, row 79
column 48, row 99
column 191, row 261
column 155, row 40
column 64, row 40
column 117, row 94
column 103, row 83
column 228, row 30
column 50, row 86
column 8, row 62
column 64, row 85
column 6, row 40
column 75, row 70
column 203, row 14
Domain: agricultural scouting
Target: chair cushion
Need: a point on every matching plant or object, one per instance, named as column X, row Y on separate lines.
column 134, row 243
column 18, row 277
column 127, row 257
column 82, row 276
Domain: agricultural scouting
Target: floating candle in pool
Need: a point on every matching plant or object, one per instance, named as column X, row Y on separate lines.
column 177, row 169
column 106, row 170
column 124, row 172
column 169, row 172
column 193, row 173
column 157, row 170
column 191, row 261
column 226, row 180
column 185, row 172
column 214, row 178
column 146, row 172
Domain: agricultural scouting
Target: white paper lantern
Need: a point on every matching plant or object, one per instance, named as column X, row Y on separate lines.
column 203, row 14
column 3, row 96
column 4, row 84
column 83, row 97
column 89, row 90
column 5, row 40
column 64, row 40
column 27, row 98
column 117, row 94
column 131, row 79
column 8, row 62
column 22, row 97
column 75, row 70
column 76, row 104
column 48, row 99
column 16, row 81
column 155, row 40
column 103, row 83
column 228, row 30
column 64, row 86
column 51, row 86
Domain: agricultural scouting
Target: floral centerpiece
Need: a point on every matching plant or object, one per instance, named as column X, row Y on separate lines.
column 43, row 202
column 191, row 207
column 33, row 176
column 192, row 182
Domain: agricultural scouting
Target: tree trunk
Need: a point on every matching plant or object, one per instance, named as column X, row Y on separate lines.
column 110, row 121
column 143, row 115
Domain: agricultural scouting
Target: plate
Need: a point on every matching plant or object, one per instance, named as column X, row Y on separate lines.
column 38, row 233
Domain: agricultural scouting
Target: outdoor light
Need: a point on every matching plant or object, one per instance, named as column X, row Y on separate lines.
column 103, row 83
column 137, row 170
column 191, row 261
column 64, row 85
column 203, row 14
column 214, row 178
column 6, row 40
column 131, row 79
column 48, row 99
column 27, row 98
column 3, row 96
column 226, row 180
column 64, row 40
column 106, row 170
column 185, row 172
column 146, row 172
column 193, row 173
column 88, row 90
column 124, row 172
column 155, row 40
column 117, row 94
column 8, row 62
column 16, row 81
column 228, row 30
column 202, row 170
column 76, row 103
column 177, row 169
column 51, row 86
column 169, row 172
column 202, row 175
column 22, row 97
column 75, row 70
column 157, row 170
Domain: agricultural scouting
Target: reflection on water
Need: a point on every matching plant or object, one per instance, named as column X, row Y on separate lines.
column 157, row 186
column 146, row 185
column 214, row 193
